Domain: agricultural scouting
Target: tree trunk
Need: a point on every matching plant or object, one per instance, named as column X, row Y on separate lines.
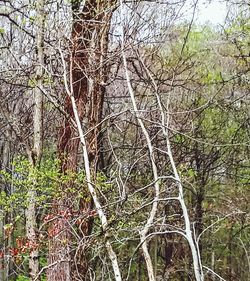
column 199, row 214
column 88, row 68
column 5, row 266
column 35, row 154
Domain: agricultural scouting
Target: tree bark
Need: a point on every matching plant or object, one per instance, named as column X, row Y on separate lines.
column 5, row 266
column 88, row 68
column 35, row 154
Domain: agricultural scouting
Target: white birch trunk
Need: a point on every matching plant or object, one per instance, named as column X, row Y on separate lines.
column 188, row 231
column 150, row 220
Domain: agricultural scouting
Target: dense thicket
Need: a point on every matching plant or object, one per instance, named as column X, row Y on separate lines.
column 124, row 140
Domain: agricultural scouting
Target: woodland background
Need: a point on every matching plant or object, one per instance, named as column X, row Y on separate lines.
column 124, row 141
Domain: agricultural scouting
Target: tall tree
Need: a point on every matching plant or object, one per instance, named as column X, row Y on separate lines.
column 36, row 152
column 87, row 66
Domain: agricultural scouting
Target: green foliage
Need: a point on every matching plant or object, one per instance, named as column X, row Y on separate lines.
column 22, row 278
column 198, row 40
column 32, row 82
column 102, row 182
column 207, row 139
column 45, row 180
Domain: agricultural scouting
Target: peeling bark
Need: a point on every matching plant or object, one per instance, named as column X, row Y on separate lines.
column 88, row 68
